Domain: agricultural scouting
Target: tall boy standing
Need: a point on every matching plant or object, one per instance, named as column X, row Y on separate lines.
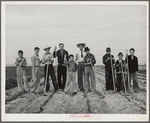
column 63, row 57
column 133, row 69
column 108, row 70
column 34, row 87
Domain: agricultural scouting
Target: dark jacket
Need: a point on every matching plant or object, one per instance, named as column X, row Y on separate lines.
column 61, row 59
column 108, row 63
column 133, row 64
column 89, row 56
column 118, row 66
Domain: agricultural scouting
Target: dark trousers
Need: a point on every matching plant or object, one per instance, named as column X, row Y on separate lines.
column 62, row 71
column 109, row 79
column 81, row 68
column 53, row 77
column 120, row 82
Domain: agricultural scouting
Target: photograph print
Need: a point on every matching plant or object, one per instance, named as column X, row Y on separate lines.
column 75, row 61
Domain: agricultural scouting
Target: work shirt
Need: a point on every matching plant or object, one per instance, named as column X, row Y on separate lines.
column 61, row 56
column 72, row 66
column 35, row 60
column 20, row 64
column 45, row 57
column 79, row 57
column 87, row 57
column 108, row 63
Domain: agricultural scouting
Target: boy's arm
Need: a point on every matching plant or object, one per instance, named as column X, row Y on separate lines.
column 33, row 62
column 104, row 60
column 43, row 60
column 17, row 62
column 76, row 67
column 24, row 63
column 67, row 55
column 93, row 60
column 51, row 58
column 137, row 64
column 113, row 60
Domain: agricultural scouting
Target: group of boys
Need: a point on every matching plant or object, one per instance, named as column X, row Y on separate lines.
column 118, row 73
column 83, row 64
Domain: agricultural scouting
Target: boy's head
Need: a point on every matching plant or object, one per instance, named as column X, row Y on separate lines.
column 132, row 51
column 36, row 50
column 61, row 46
column 81, row 47
column 71, row 57
column 20, row 53
column 87, row 50
column 47, row 50
column 120, row 55
column 108, row 50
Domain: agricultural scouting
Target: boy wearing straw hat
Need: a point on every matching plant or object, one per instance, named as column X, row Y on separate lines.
column 49, row 70
column 79, row 59
column 35, row 85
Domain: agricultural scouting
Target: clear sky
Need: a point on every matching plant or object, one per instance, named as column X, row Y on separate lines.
column 99, row 26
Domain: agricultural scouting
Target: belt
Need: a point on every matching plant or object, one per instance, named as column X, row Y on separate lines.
column 88, row 65
column 71, row 70
column 62, row 64
column 81, row 62
column 36, row 66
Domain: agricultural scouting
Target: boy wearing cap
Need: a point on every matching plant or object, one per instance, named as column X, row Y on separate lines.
column 21, row 73
column 63, row 58
column 35, row 71
column 108, row 70
column 79, row 59
column 121, row 67
column 133, row 69
column 89, row 60
column 48, row 61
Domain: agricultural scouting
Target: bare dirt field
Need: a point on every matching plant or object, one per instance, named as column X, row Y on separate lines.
column 113, row 103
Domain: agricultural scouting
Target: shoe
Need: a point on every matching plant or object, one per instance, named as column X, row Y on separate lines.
column 93, row 93
column 57, row 91
column 137, row 91
column 36, row 93
column 102, row 96
column 45, row 94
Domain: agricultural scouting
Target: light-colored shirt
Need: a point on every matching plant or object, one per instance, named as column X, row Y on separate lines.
column 45, row 57
column 35, row 60
column 78, row 56
column 20, row 64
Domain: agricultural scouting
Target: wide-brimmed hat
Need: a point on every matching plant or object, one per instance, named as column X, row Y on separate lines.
column 47, row 47
column 86, row 49
column 83, row 44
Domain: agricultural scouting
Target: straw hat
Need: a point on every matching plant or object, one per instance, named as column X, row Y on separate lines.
column 83, row 44
column 47, row 47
